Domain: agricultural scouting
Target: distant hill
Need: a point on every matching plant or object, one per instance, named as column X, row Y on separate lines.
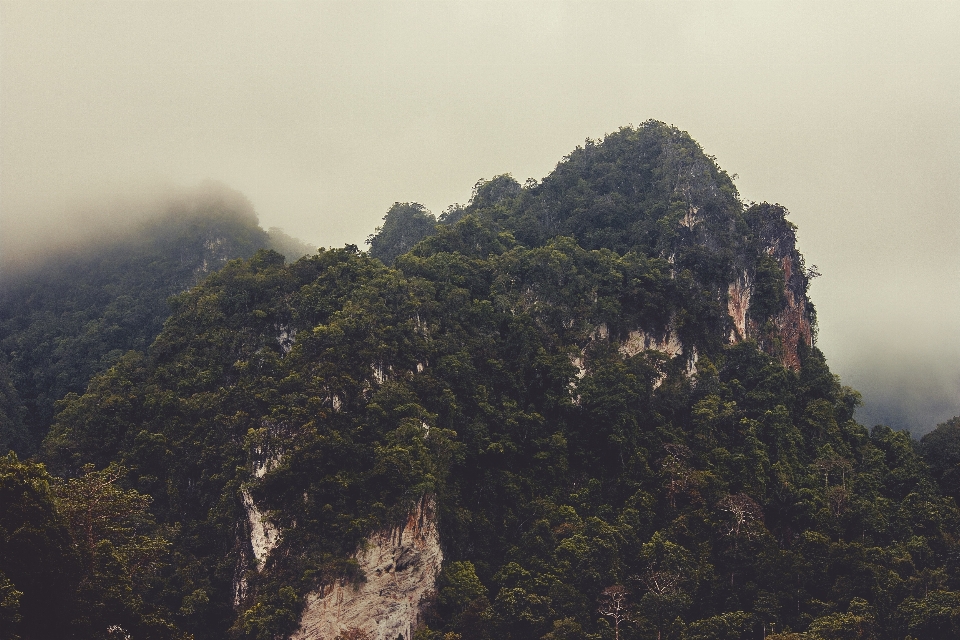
column 72, row 312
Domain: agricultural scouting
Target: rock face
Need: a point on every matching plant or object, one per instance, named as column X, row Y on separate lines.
column 264, row 535
column 400, row 566
column 795, row 321
column 738, row 301
column 639, row 341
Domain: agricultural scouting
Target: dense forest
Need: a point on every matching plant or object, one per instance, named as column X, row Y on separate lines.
column 604, row 387
column 75, row 311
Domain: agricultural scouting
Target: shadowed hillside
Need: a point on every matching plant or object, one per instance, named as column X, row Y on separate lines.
column 73, row 310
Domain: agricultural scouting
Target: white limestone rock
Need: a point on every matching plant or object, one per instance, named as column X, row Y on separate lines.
column 400, row 566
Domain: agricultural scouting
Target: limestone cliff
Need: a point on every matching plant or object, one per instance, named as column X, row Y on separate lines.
column 400, row 567
column 792, row 322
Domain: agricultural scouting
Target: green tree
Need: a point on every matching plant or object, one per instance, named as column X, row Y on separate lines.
column 13, row 431
column 941, row 450
column 935, row 616
column 463, row 600
column 667, row 577
column 405, row 224
column 730, row 625
column 39, row 565
column 121, row 550
column 858, row 623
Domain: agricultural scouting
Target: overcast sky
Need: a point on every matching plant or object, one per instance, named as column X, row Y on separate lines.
column 325, row 113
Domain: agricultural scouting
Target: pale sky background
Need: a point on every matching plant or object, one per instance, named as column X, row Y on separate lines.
column 325, row 113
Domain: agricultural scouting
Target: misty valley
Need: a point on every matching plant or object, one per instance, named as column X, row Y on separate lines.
column 588, row 407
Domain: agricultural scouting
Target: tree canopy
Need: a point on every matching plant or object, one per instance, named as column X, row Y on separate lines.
column 76, row 311
column 554, row 364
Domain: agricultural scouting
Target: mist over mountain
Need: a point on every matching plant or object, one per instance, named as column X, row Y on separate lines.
column 73, row 302
column 913, row 390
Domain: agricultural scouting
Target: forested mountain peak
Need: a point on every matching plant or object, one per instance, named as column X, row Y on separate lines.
column 652, row 191
column 586, row 408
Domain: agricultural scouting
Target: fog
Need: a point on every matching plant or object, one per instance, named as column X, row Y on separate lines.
column 85, row 222
column 325, row 113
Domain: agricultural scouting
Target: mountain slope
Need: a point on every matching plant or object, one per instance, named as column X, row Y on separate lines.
column 652, row 191
column 72, row 314
column 601, row 386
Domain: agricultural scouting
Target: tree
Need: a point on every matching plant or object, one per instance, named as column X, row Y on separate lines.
column 858, row 623
column 669, row 569
column 13, row 433
column 679, row 477
column 731, row 625
column 745, row 517
column 462, row 599
column 941, row 450
column 98, row 510
column 768, row 289
column 405, row 224
column 935, row 616
column 831, row 465
column 613, row 604
column 39, row 568
column 566, row 629
column 121, row 549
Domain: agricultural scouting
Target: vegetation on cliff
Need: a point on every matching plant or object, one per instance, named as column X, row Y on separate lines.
column 556, row 364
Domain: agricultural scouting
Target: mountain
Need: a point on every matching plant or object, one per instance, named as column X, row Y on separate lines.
column 73, row 312
column 589, row 407
column 652, row 191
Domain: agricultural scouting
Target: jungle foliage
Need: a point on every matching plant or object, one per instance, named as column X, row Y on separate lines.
column 583, row 491
column 77, row 311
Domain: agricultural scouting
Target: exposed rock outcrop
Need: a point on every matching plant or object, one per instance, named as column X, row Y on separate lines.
column 638, row 341
column 793, row 323
column 400, row 566
column 264, row 535
column 738, row 301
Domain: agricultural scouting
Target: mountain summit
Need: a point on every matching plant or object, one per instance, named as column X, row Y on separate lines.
column 652, row 191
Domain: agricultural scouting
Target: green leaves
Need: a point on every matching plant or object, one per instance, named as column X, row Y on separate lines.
column 78, row 556
column 40, row 565
column 941, row 450
column 404, row 225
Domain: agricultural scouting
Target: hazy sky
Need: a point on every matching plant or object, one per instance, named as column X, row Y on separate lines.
column 325, row 113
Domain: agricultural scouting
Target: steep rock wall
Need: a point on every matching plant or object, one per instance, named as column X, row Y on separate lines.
column 264, row 535
column 794, row 323
column 400, row 566
column 738, row 302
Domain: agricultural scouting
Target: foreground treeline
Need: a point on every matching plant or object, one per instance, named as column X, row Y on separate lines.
column 79, row 557
column 699, row 490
